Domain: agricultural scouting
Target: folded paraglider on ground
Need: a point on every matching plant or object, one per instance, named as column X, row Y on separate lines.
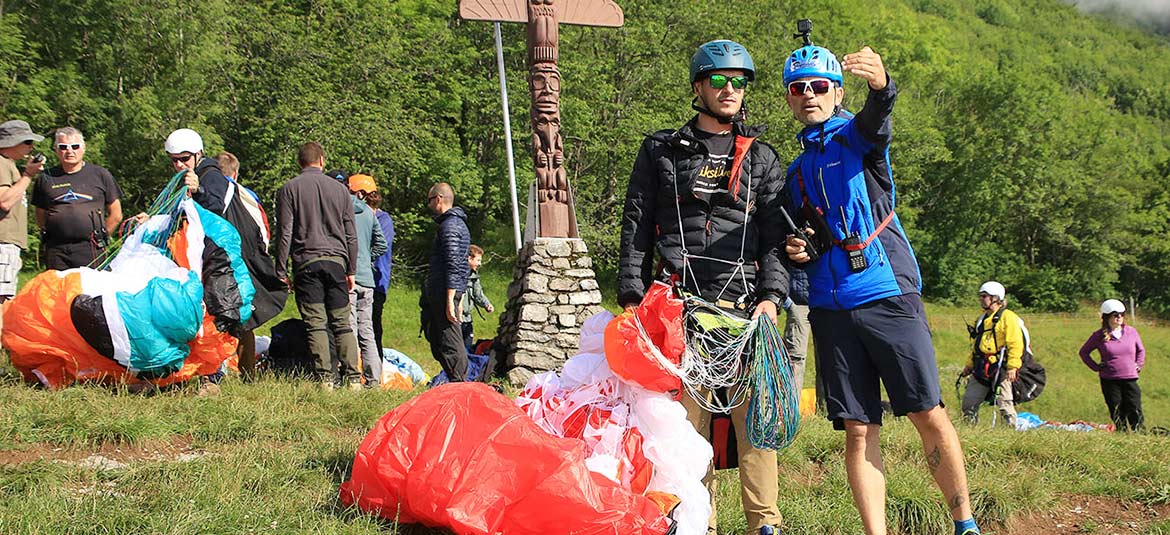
column 603, row 447
column 160, row 305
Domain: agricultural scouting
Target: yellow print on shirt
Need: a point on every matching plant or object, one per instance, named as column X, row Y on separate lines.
column 716, row 171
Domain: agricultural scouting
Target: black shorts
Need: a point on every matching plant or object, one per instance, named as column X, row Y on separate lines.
column 322, row 281
column 887, row 340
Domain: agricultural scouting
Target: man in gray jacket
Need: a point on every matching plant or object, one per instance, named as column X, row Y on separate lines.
column 317, row 231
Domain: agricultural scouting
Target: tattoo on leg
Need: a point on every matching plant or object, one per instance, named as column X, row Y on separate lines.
column 957, row 501
column 934, row 459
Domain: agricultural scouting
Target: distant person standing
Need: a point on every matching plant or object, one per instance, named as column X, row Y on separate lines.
column 796, row 327
column 997, row 355
column 383, row 265
column 446, row 282
column 317, row 231
column 16, row 143
column 474, row 297
column 78, row 205
column 371, row 244
column 229, row 164
column 1122, row 358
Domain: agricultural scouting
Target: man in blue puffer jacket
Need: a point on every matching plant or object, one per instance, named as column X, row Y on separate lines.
column 864, row 289
column 446, row 281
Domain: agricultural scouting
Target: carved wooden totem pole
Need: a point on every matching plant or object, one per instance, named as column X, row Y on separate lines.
column 554, row 289
column 555, row 200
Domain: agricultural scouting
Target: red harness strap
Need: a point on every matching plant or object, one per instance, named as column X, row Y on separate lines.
column 864, row 244
column 742, row 144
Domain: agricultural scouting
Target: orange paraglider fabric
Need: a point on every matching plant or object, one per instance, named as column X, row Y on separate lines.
column 208, row 351
column 464, row 457
column 41, row 338
column 628, row 353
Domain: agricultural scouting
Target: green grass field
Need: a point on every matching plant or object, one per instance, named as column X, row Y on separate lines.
column 268, row 457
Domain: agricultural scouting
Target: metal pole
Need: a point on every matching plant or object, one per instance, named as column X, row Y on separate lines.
column 508, row 138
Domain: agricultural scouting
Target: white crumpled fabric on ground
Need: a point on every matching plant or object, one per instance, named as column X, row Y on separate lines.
column 589, row 401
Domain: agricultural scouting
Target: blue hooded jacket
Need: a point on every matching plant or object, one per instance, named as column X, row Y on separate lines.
column 845, row 172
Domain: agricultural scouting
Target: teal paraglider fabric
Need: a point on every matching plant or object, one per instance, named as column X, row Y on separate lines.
column 160, row 319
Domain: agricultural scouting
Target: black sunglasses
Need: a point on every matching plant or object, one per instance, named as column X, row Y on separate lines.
column 27, row 142
column 180, row 159
column 719, row 81
column 63, row 146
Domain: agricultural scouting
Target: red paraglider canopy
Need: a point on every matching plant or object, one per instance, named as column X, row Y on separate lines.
column 464, row 457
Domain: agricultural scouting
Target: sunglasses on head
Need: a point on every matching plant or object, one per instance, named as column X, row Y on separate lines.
column 64, row 146
column 719, row 81
column 819, row 87
column 180, row 159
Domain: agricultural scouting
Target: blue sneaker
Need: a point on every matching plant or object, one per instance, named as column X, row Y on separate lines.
column 769, row 530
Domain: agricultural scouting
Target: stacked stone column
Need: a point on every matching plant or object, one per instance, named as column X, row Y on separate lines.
column 553, row 291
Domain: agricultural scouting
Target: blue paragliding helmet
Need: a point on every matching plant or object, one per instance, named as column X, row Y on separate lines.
column 721, row 54
column 812, row 61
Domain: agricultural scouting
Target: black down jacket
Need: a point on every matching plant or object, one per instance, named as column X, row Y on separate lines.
column 448, row 266
column 668, row 161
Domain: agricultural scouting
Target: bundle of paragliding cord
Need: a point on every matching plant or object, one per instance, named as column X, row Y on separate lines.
column 745, row 360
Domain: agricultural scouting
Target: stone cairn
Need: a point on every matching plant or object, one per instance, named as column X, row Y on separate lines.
column 553, row 291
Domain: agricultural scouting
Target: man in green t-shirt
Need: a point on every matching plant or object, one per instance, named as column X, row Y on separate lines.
column 16, row 143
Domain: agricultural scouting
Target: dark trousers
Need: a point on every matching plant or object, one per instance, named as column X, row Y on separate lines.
column 468, row 329
column 379, row 304
column 1124, row 399
column 446, row 340
column 64, row 256
column 322, row 294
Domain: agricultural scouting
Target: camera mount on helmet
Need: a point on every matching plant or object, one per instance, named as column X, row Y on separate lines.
column 804, row 31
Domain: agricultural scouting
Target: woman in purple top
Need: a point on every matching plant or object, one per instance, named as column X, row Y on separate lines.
column 1122, row 357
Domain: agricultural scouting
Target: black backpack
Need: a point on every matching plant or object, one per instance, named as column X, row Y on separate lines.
column 289, row 352
column 1030, row 378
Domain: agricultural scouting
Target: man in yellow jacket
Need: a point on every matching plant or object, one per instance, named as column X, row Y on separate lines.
column 999, row 344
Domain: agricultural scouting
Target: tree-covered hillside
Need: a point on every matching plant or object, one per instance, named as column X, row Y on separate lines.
column 1032, row 141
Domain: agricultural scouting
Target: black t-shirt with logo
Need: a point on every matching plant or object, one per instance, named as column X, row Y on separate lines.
column 74, row 204
column 712, row 176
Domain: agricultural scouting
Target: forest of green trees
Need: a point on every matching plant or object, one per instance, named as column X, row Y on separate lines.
column 1032, row 142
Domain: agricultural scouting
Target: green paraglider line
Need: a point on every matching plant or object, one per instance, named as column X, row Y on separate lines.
column 167, row 202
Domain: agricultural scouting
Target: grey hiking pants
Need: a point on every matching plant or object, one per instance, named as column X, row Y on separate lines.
column 361, row 317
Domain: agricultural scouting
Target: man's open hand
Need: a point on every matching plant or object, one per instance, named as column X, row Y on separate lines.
column 867, row 64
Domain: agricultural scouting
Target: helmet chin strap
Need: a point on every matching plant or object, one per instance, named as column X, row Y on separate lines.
column 739, row 116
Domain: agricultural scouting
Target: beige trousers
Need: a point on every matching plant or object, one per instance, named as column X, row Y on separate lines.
column 758, row 476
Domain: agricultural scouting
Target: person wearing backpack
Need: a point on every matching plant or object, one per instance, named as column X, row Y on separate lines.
column 996, row 356
column 1122, row 357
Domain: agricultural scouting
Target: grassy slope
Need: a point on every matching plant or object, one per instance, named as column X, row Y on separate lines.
column 276, row 451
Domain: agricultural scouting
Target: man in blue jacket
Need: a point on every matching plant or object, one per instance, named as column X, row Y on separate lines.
column 446, row 281
column 864, row 289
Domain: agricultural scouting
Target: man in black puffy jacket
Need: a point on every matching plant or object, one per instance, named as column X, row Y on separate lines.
column 706, row 197
column 446, row 282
